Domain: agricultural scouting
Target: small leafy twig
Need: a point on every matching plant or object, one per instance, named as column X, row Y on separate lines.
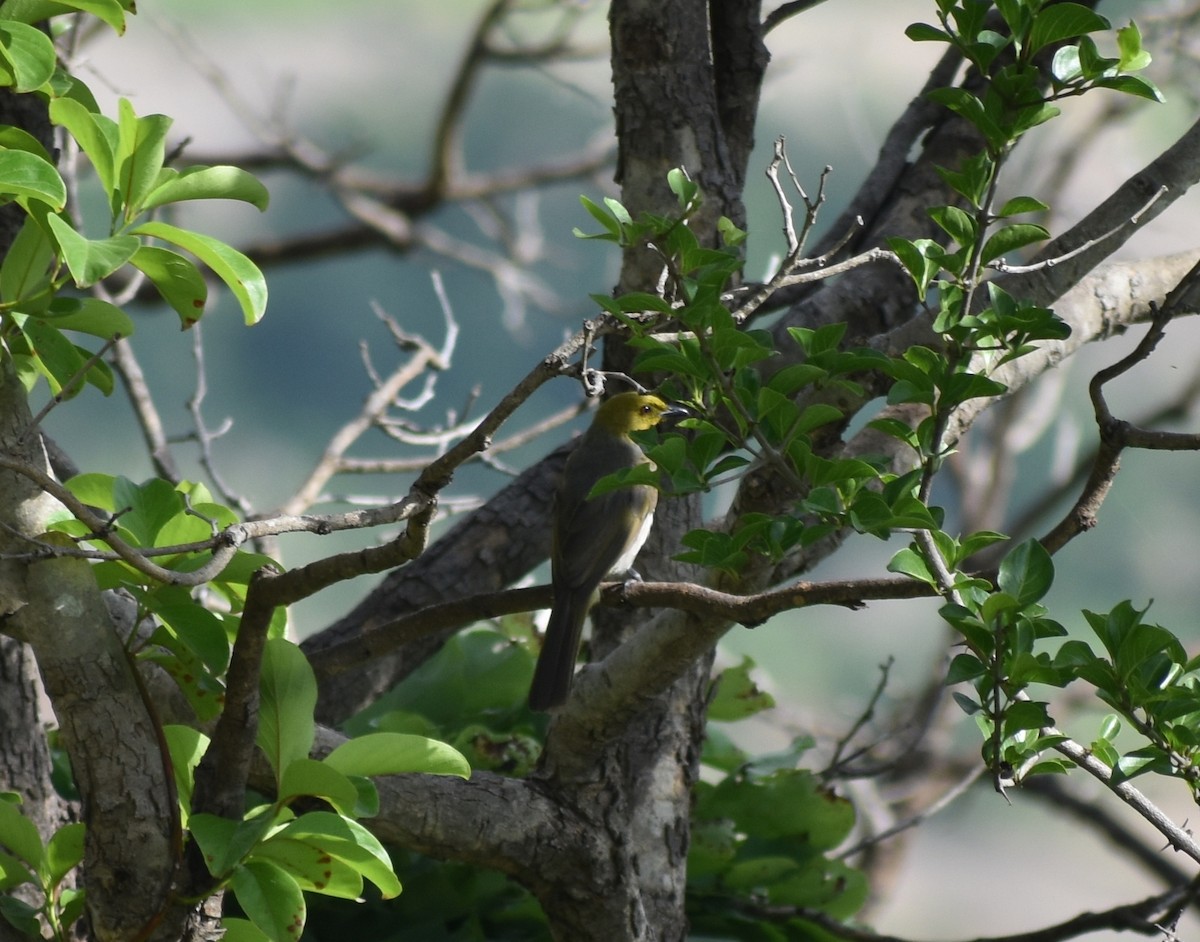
column 71, row 385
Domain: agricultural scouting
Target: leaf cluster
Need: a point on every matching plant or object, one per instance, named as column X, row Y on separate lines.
column 25, row 860
column 273, row 855
column 51, row 276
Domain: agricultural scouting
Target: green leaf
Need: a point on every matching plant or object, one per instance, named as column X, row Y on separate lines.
column 1026, row 573
column 25, row 269
column 34, row 11
column 1066, row 67
column 1133, row 57
column 1024, row 715
column 1132, row 85
column 788, row 803
column 964, row 667
column 612, row 231
column 224, row 843
column 141, row 149
column 737, row 695
column 90, row 260
column 12, row 138
column 923, row 32
column 397, row 753
column 349, row 842
column 14, row 873
column 94, row 488
column 186, row 747
column 27, row 56
column 304, row 777
column 620, row 213
column 52, row 355
column 206, row 183
column 202, row 631
column 312, row 868
column 965, row 703
column 289, row 696
column 231, row 266
column 972, row 180
column 960, row 226
column 682, row 186
column 1010, row 238
column 20, row 836
column 94, row 133
column 64, row 851
column 27, row 176
column 242, row 930
column 1062, row 21
column 271, row 898
column 959, row 387
column 915, row 257
column 1022, row 204
column 21, row 915
column 731, row 235
column 89, row 316
column 144, row 509
column 177, row 279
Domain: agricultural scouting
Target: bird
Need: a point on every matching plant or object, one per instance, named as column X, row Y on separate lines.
column 594, row 538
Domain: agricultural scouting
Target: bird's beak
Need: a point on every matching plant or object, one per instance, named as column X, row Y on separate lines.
column 677, row 411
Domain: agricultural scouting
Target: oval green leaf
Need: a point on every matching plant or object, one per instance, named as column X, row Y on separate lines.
column 312, row 868
column 231, row 266
column 89, row 132
column 309, row 777
column 26, row 266
column 20, row 836
column 89, row 316
column 34, row 11
column 350, row 843
column 271, row 898
column 27, row 176
column 207, row 183
column 140, row 151
column 64, row 851
column 1010, row 238
column 397, row 753
column 289, row 696
column 177, row 279
column 1062, row 21
column 90, row 260
column 27, row 56
column 1026, row 573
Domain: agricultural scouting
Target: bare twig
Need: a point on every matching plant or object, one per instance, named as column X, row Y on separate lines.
column 947, row 798
column 745, row 609
column 203, row 435
column 1005, row 269
column 1142, row 916
column 1117, row 435
column 424, row 358
column 149, row 419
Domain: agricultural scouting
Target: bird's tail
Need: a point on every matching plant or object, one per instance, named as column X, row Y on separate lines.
column 556, row 663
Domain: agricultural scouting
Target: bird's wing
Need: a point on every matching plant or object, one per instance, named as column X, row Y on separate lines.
column 591, row 541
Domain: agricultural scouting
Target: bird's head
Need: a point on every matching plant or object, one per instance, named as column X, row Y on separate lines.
column 634, row 412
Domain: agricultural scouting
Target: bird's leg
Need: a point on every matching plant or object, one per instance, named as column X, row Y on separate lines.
column 631, row 576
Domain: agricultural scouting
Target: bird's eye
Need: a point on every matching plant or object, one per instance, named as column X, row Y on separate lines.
column 646, row 410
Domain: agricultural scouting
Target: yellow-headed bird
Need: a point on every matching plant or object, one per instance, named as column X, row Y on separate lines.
column 594, row 538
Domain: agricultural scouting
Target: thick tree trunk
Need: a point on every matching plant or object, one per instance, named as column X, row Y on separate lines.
column 686, row 88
